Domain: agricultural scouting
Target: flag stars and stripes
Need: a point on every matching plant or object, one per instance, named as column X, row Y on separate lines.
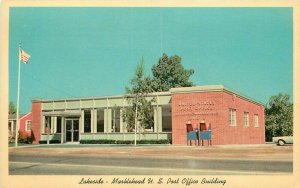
column 24, row 56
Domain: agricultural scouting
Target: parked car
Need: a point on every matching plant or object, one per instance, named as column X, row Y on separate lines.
column 282, row 140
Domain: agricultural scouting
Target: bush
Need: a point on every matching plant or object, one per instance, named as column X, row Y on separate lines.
column 29, row 140
column 153, row 142
column 22, row 140
column 125, row 141
column 22, row 137
column 51, row 141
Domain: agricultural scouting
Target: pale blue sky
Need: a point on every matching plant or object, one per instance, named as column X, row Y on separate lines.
column 84, row 52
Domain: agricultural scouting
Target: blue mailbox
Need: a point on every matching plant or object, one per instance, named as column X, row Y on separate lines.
column 191, row 134
column 205, row 133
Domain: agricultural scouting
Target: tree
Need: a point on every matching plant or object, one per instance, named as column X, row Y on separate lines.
column 279, row 116
column 139, row 100
column 11, row 108
column 169, row 73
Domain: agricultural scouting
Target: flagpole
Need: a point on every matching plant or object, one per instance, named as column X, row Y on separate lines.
column 135, row 124
column 18, row 100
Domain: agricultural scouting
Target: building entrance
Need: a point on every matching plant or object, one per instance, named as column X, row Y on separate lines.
column 72, row 130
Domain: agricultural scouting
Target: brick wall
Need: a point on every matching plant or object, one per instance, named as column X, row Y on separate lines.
column 240, row 134
column 23, row 132
column 213, row 109
column 36, row 121
column 196, row 107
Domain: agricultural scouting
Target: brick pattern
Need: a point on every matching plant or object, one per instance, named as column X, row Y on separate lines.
column 213, row 109
column 36, row 121
column 241, row 134
column 22, row 129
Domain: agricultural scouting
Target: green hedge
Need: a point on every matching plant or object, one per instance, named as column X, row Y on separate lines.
column 51, row 141
column 125, row 141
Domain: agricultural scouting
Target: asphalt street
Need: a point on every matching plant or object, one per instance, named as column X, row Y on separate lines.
column 53, row 164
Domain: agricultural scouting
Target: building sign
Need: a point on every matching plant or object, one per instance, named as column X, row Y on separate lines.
column 196, row 108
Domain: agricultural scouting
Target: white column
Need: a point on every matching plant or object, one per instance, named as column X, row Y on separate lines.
column 107, row 120
column 95, row 121
column 12, row 128
column 43, row 125
column 158, row 119
column 62, row 136
column 54, row 124
column 81, row 122
column 155, row 119
column 121, row 121
column 92, row 120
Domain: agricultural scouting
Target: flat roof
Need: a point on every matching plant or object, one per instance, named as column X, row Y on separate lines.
column 212, row 88
column 205, row 88
column 99, row 97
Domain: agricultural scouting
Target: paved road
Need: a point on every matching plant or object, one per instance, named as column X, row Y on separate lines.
column 31, row 164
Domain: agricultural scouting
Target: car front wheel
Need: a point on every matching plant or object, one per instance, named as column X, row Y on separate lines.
column 281, row 142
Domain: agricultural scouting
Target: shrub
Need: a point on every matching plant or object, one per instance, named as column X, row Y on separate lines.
column 164, row 141
column 51, row 141
column 22, row 137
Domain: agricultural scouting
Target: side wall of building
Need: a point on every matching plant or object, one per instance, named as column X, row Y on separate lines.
column 242, row 133
column 23, row 132
column 36, row 121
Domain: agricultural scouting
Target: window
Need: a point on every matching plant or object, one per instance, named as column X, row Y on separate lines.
column 9, row 125
column 166, row 119
column 115, row 122
column 28, row 125
column 58, row 125
column 100, row 120
column 256, row 120
column 246, row 119
column 87, row 121
column 47, row 126
column 232, row 117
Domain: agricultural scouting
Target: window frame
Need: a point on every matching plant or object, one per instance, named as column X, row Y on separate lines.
column 246, row 119
column 28, row 122
column 256, row 121
column 232, row 117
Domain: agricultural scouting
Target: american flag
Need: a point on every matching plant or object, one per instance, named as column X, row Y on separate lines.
column 24, row 56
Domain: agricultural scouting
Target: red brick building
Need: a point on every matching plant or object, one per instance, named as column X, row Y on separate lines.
column 25, row 125
column 232, row 117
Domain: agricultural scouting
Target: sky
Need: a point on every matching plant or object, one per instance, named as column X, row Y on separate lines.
column 87, row 52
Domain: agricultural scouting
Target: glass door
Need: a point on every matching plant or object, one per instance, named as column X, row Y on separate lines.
column 72, row 130
column 75, row 130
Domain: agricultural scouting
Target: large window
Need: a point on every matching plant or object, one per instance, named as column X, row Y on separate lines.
column 87, row 121
column 58, row 125
column 232, row 117
column 256, row 120
column 166, row 119
column 10, row 126
column 246, row 119
column 115, row 120
column 100, row 120
column 47, row 127
column 28, row 125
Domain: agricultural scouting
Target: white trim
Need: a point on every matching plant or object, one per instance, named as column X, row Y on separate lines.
column 244, row 118
column 26, row 125
column 256, row 121
column 232, row 115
